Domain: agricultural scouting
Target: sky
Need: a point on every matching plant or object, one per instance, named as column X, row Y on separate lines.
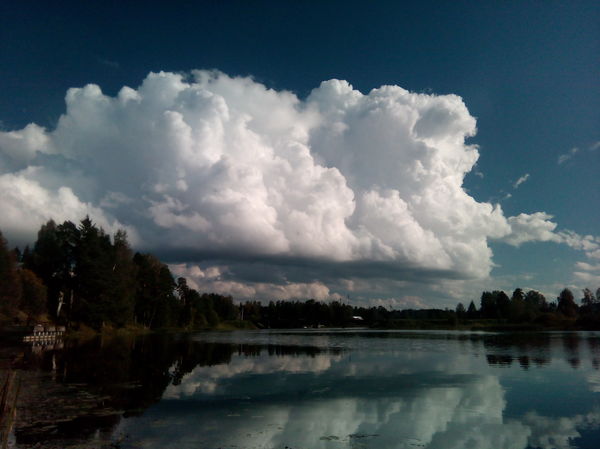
column 403, row 154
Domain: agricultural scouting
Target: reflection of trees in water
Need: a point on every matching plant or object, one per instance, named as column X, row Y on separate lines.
column 502, row 360
column 102, row 379
column 524, row 361
column 93, row 384
column 594, row 348
column 539, row 348
column 526, row 348
column 571, row 346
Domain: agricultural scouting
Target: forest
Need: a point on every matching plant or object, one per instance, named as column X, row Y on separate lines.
column 77, row 275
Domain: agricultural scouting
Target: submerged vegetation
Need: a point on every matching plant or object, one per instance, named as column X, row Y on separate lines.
column 79, row 277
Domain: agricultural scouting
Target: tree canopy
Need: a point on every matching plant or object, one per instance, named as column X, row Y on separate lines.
column 78, row 274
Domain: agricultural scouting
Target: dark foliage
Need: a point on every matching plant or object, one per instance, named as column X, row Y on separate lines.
column 79, row 275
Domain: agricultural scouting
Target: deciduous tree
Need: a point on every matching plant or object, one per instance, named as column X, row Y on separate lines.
column 566, row 303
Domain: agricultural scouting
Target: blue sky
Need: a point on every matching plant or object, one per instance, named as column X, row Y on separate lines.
column 526, row 71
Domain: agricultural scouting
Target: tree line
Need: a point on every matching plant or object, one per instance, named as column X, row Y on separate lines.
column 532, row 307
column 496, row 308
column 77, row 274
column 313, row 314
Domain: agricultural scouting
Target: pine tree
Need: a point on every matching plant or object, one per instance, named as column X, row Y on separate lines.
column 94, row 304
column 123, row 274
column 472, row 311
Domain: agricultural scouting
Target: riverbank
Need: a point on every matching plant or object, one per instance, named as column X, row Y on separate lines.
column 491, row 325
column 11, row 333
column 83, row 331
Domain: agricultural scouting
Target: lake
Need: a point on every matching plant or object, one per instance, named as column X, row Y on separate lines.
column 313, row 389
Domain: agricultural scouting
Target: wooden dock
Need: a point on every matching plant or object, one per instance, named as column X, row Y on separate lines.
column 45, row 333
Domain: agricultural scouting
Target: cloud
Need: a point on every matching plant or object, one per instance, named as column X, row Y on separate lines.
column 225, row 164
column 25, row 204
column 18, row 148
column 218, row 279
column 539, row 227
column 588, row 267
column 592, row 279
column 569, row 155
column 531, row 227
column 573, row 151
column 204, row 165
column 588, row 243
column 594, row 254
column 521, row 180
column 109, row 63
column 405, row 302
column 588, row 273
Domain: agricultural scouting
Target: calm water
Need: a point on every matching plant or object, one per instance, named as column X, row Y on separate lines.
column 315, row 389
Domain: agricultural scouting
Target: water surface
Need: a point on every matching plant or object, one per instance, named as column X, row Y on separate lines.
column 316, row 389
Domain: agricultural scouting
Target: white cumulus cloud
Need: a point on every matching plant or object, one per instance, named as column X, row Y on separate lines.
column 531, row 227
column 18, row 148
column 216, row 164
column 26, row 204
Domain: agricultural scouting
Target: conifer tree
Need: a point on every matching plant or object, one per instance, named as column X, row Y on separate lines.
column 124, row 277
column 94, row 303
